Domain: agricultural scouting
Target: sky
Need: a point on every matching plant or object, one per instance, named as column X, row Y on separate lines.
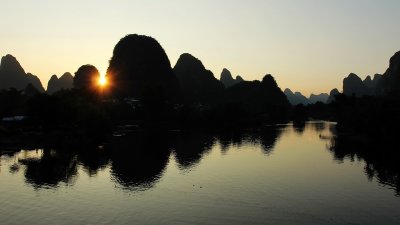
column 307, row 45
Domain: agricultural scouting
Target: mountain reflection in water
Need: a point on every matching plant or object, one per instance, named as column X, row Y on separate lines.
column 137, row 160
column 274, row 168
column 381, row 158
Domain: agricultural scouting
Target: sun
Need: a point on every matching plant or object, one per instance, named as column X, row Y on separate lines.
column 102, row 81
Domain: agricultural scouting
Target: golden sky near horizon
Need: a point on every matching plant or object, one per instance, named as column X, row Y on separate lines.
column 307, row 45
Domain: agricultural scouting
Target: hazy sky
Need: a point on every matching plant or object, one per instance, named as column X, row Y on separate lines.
column 307, row 45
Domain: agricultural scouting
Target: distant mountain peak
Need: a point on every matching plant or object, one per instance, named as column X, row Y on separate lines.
column 10, row 64
column 288, row 91
column 226, row 74
column 56, row 84
column 353, row 85
column 377, row 76
column 12, row 75
column 394, row 63
column 67, row 75
column 314, row 98
column 225, row 70
column 189, row 59
column 353, row 75
column 239, row 79
column 369, row 82
column 334, row 91
column 269, row 80
column 198, row 84
column 226, row 78
column 332, row 95
column 295, row 98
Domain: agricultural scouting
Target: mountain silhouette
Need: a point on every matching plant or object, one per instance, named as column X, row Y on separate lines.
column 389, row 82
column 34, row 80
column 257, row 97
column 373, row 84
column 56, row 84
column 368, row 81
column 139, row 66
column 382, row 84
column 353, row 85
column 52, row 85
column 332, row 95
column 323, row 97
column 227, row 79
column 198, row 84
column 12, row 75
column 239, row 79
column 296, row 98
column 375, row 115
column 86, row 78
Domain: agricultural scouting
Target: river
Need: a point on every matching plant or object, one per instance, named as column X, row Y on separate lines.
column 283, row 174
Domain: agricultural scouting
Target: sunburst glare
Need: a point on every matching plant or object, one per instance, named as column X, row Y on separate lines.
column 102, row 81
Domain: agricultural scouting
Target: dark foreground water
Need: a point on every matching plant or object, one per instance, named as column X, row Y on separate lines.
column 279, row 175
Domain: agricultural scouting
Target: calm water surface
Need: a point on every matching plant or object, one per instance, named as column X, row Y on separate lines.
column 280, row 175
